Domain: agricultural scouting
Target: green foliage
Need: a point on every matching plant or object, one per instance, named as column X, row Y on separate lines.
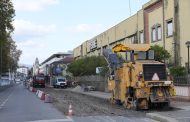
column 160, row 53
column 9, row 54
column 178, row 71
column 87, row 66
column 7, row 14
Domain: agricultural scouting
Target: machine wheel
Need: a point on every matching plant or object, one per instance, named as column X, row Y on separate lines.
column 128, row 103
column 142, row 103
column 112, row 99
column 135, row 105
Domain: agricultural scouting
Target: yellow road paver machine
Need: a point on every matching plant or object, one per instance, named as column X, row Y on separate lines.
column 136, row 80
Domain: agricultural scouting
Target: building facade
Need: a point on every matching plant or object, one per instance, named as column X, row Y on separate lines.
column 48, row 66
column 162, row 22
column 23, row 71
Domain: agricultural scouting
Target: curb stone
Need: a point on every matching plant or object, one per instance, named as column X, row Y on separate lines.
column 160, row 118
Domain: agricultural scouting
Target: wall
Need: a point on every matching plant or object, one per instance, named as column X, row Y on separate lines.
column 182, row 93
column 169, row 15
column 77, row 51
column 184, row 9
column 151, row 13
column 98, row 82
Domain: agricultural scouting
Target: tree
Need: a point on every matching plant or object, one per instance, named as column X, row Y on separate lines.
column 160, row 53
column 14, row 55
column 9, row 54
column 7, row 13
column 86, row 66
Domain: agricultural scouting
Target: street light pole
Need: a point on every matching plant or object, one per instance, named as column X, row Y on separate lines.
column 188, row 45
column 188, row 59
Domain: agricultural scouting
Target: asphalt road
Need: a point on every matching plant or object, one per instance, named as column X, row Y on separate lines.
column 17, row 104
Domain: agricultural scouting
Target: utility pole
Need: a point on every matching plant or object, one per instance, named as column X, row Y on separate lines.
column 188, row 45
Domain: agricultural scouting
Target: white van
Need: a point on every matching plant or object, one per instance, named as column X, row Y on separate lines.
column 59, row 82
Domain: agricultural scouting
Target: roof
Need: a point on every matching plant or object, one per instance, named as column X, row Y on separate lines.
column 66, row 60
column 55, row 55
column 130, row 47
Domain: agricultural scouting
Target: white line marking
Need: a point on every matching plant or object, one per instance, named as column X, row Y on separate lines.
column 110, row 119
column 101, row 118
column 129, row 119
column 182, row 117
column 6, row 100
column 54, row 120
column 150, row 120
column 69, row 118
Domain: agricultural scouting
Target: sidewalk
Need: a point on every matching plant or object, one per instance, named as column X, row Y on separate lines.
column 98, row 94
column 181, row 114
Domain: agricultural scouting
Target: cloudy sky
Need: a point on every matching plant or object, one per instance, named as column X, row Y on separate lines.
column 44, row 27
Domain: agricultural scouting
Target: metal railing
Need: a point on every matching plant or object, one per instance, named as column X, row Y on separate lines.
column 182, row 80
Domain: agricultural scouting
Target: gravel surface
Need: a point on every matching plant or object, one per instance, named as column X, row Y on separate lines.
column 83, row 105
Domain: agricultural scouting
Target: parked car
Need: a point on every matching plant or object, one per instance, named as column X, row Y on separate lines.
column 89, row 88
column 59, row 82
column 17, row 80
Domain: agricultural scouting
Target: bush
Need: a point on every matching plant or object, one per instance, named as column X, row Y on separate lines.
column 178, row 71
column 160, row 53
column 87, row 66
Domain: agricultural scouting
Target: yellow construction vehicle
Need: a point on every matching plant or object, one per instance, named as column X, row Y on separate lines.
column 138, row 81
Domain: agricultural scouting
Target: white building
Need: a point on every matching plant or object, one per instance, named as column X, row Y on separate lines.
column 23, row 70
column 45, row 66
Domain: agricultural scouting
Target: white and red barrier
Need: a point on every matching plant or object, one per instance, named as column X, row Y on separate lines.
column 32, row 89
column 37, row 92
column 48, row 99
column 41, row 95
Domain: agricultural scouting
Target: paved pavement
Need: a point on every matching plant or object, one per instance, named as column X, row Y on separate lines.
column 98, row 94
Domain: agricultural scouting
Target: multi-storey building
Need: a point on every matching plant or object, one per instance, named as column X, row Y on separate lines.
column 162, row 22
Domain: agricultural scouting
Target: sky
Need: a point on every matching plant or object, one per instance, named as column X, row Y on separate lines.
column 45, row 27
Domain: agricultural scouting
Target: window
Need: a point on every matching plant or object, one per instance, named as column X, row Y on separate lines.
column 128, row 56
column 132, row 40
column 153, row 34
column 156, row 33
column 169, row 28
column 141, row 37
column 141, row 55
column 159, row 34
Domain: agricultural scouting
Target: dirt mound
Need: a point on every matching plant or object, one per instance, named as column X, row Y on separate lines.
column 77, row 88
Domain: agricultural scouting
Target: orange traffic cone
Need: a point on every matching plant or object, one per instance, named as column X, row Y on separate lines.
column 70, row 113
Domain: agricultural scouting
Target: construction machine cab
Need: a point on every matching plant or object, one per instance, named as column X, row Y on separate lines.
column 134, row 52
